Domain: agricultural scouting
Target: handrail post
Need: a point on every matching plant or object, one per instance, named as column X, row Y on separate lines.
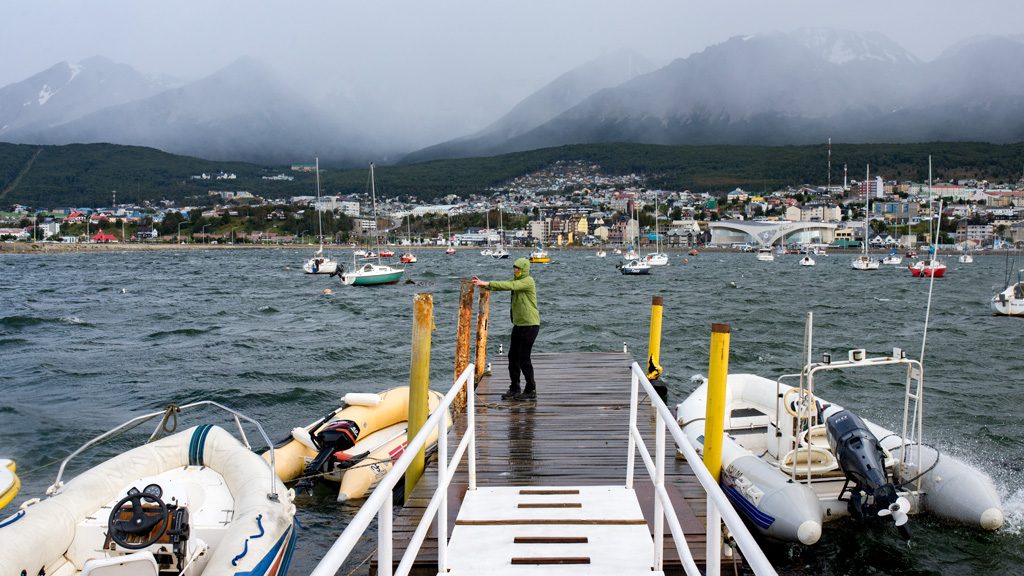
column 471, row 430
column 483, row 316
column 462, row 332
column 442, row 510
column 714, row 429
column 659, row 482
column 384, row 538
column 419, row 380
column 634, row 399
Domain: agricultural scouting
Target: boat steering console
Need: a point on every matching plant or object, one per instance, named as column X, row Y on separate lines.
column 142, row 519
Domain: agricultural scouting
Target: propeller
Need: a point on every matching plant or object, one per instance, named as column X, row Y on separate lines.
column 899, row 511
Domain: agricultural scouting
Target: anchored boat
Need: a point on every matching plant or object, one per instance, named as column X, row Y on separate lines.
column 1010, row 302
column 196, row 502
column 792, row 460
column 355, row 445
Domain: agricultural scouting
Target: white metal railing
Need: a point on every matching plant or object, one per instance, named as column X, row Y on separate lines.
column 380, row 502
column 719, row 507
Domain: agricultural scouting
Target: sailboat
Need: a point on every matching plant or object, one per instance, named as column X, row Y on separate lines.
column 319, row 263
column 1010, row 302
column 370, row 274
column 631, row 253
column 893, row 258
column 500, row 252
column 487, row 231
column 966, row 257
column 865, row 262
column 656, row 258
column 451, row 248
column 931, row 267
column 408, row 257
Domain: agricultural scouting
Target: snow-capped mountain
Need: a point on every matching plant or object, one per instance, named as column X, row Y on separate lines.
column 68, row 91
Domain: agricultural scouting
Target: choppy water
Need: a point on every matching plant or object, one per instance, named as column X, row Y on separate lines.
column 90, row 340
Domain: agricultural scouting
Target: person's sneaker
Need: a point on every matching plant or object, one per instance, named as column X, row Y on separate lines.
column 527, row 395
column 512, row 394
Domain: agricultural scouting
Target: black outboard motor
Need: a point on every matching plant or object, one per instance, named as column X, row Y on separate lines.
column 863, row 461
column 335, row 437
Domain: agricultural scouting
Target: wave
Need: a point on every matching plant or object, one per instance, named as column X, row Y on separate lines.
column 179, row 332
column 19, row 321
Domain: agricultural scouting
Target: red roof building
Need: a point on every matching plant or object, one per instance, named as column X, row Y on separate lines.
column 102, row 236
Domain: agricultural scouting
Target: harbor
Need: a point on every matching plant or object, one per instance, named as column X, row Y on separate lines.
column 245, row 327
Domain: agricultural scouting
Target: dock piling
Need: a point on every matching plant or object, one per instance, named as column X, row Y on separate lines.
column 462, row 337
column 483, row 315
column 714, row 427
column 654, row 369
column 419, row 378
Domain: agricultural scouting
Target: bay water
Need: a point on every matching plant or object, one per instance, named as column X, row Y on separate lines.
column 89, row 340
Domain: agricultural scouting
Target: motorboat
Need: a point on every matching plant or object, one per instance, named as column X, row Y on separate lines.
column 386, row 253
column 450, row 250
column 355, row 445
column 865, row 262
column 631, row 254
column 635, row 267
column 540, row 256
column 693, row 252
column 499, row 253
column 966, row 258
column 616, row 251
column 407, row 258
column 765, row 255
column 9, row 481
column 792, row 460
column 601, row 254
column 927, row 269
column 196, row 502
column 807, row 261
column 1010, row 302
column 359, row 253
column 486, row 252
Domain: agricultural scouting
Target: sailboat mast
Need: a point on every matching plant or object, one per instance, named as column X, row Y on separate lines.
column 867, row 207
column 319, row 213
column 373, row 199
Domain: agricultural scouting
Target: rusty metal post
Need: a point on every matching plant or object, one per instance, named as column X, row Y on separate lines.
column 462, row 338
column 483, row 316
column 419, row 379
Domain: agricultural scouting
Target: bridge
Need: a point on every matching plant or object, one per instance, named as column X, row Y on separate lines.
column 767, row 233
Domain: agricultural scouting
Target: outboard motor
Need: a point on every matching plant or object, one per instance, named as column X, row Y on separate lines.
column 863, row 462
column 335, row 437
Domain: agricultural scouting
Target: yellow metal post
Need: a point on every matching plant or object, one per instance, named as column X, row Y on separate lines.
column 654, row 339
column 419, row 379
column 718, row 370
column 483, row 316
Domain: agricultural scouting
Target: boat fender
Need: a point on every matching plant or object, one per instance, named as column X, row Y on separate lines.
column 301, row 435
column 361, row 399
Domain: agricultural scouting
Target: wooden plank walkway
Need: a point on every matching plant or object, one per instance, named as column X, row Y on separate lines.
column 576, row 433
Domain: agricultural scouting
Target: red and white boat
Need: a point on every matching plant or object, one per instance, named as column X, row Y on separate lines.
column 927, row 269
column 408, row 258
column 387, row 254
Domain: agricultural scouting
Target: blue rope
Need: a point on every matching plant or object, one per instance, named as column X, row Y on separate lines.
column 13, row 519
column 245, row 545
column 245, row 549
column 260, row 525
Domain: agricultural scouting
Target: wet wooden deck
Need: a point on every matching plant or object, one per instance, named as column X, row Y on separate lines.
column 574, row 434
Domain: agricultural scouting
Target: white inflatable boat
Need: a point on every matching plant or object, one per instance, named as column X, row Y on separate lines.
column 193, row 503
column 792, row 460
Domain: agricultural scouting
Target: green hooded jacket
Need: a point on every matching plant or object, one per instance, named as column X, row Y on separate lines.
column 524, row 295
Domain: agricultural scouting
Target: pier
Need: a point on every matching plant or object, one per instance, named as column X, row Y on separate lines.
column 575, row 434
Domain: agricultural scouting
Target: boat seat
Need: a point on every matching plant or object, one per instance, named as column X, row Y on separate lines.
column 804, row 459
column 137, row 564
column 815, row 436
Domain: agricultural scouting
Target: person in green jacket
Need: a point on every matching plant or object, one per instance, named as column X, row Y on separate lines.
column 525, row 326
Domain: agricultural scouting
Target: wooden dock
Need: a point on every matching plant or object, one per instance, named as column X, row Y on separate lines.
column 575, row 434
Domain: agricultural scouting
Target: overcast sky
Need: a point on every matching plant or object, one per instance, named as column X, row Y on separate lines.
column 486, row 52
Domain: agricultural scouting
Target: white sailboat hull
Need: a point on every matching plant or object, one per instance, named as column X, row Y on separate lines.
column 1010, row 302
column 320, row 266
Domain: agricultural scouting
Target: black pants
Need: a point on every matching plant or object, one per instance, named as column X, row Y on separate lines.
column 519, row 355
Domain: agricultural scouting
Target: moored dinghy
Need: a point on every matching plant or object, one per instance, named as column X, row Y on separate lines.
column 191, row 503
column 354, row 445
column 791, row 460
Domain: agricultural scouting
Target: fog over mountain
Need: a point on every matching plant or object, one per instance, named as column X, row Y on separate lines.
column 796, row 87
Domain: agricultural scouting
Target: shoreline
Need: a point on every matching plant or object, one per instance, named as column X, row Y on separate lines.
column 59, row 248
